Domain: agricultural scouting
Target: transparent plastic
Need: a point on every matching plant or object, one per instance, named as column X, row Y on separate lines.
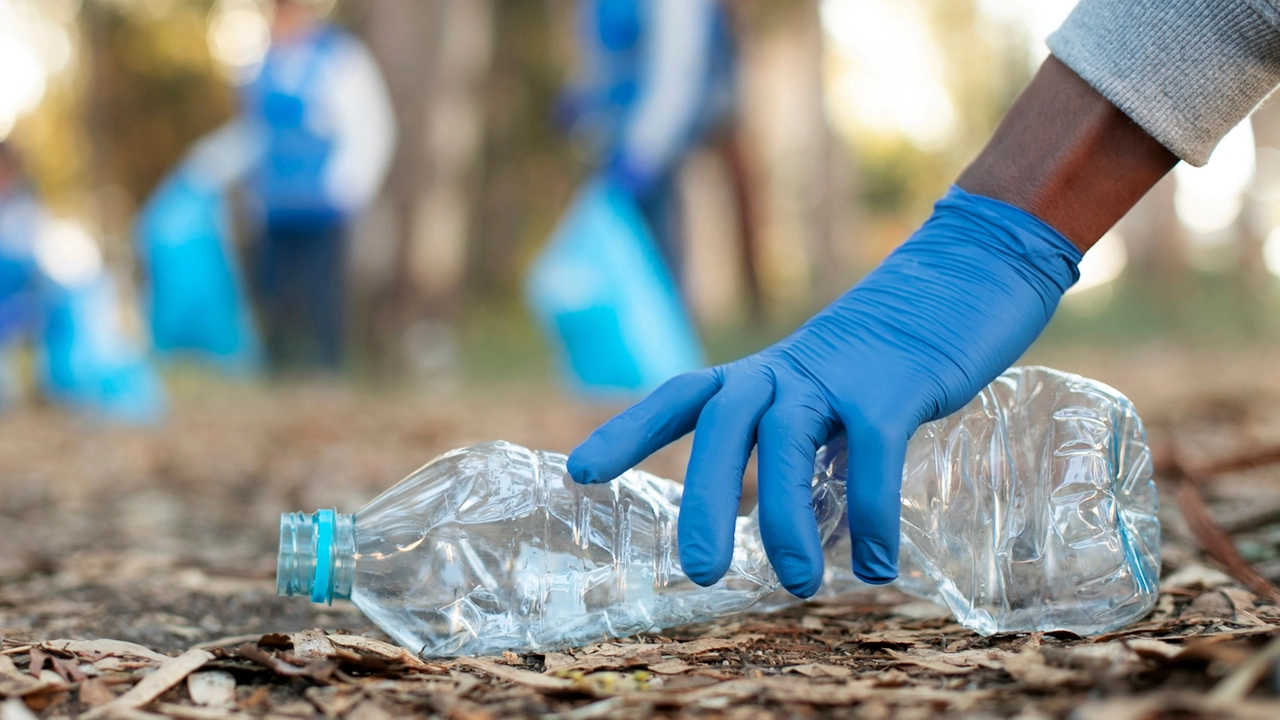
column 1032, row 508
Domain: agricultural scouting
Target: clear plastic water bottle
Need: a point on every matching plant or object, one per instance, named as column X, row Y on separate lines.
column 1032, row 508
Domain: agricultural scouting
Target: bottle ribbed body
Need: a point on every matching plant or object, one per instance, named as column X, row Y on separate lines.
column 492, row 547
column 1032, row 508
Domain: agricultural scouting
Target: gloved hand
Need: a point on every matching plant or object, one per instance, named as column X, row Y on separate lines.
column 942, row 316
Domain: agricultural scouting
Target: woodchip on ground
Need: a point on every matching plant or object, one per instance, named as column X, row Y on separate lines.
column 137, row 581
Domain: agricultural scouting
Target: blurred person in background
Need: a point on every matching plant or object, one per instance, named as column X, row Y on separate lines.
column 58, row 298
column 655, row 81
column 19, row 222
column 1132, row 87
column 320, row 111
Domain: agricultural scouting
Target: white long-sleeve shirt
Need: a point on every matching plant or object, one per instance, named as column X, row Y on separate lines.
column 677, row 62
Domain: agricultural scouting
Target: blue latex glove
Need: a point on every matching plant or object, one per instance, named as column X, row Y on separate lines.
column 942, row 316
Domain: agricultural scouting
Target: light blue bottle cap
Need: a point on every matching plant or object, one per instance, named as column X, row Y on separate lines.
column 321, row 582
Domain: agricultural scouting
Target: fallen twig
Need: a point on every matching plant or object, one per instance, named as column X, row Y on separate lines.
column 318, row 670
column 1217, row 543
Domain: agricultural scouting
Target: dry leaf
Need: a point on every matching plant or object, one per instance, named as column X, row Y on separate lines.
column 386, row 651
column 94, row 692
column 369, row 710
column 819, row 670
column 463, row 683
column 1163, row 704
column 35, row 661
column 318, row 670
column 215, row 688
column 1154, row 649
column 642, row 656
column 189, row 712
column 1244, row 603
column 1029, row 668
column 892, row 678
column 605, row 649
column 670, row 667
column 311, row 645
column 697, row 647
column 150, row 687
column 941, row 667
column 68, row 669
column 55, row 690
column 1196, row 575
column 613, row 656
column 554, row 661
column 297, row 708
column 334, row 700
column 1209, row 606
column 15, row 683
column 94, row 649
column 903, row 638
column 1113, row 657
column 115, row 664
column 515, row 675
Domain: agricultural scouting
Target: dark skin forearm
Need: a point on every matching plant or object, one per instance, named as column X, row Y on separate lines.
column 1068, row 156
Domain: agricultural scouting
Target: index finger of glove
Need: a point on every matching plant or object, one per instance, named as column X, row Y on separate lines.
column 667, row 414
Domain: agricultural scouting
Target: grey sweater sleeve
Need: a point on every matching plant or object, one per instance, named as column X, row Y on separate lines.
column 1187, row 71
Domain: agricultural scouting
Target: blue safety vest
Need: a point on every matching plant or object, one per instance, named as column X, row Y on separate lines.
column 618, row 29
column 288, row 179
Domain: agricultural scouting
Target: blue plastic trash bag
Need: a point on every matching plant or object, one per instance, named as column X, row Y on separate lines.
column 605, row 299
column 194, row 295
column 86, row 361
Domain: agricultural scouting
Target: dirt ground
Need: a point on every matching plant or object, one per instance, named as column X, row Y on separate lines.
column 137, row 576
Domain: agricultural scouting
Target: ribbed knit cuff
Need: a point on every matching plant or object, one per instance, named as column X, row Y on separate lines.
column 1187, row 71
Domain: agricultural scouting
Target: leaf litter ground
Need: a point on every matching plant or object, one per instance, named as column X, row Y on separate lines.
column 137, row 581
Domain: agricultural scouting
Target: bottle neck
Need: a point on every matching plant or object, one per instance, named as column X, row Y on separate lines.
column 317, row 555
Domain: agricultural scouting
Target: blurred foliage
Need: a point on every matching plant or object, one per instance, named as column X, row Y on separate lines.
column 986, row 66
column 1207, row 310
column 152, row 87
column 523, row 150
column 141, row 90
column 144, row 87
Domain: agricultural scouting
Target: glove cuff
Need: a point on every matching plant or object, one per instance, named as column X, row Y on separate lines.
column 1044, row 256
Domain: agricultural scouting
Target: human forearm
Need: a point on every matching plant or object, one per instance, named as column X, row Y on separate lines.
column 1133, row 85
column 1065, row 154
